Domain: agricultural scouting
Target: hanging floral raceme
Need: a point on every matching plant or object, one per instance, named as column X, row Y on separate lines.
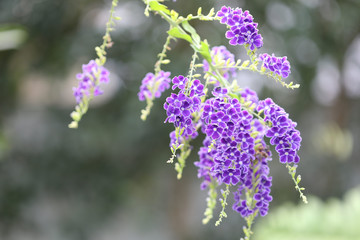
column 90, row 80
column 237, row 127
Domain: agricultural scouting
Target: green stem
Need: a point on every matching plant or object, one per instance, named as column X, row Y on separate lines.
column 109, row 26
column 192, row 65
column 162, row 55
column 292, row 172
column 223, row 204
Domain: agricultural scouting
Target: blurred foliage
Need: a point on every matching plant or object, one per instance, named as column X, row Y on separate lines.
column 333, row 141
column 318, row 220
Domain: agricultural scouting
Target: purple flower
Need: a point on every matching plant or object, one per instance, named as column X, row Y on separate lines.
column 181, row 107
column 220, row 119
column 197, row 88
column 249, row 95
column 278, row 65
column 208, row 111
column 179, row 82
column 287, row 155
column 225, row 13
column 243, row 209
column 220, row 92
column 262, row 199
column 245, row 117
column 214, row 131
column 231, row 176
column 283, row 133
column 242, row 28
column 255, row 41
column 245, row 140
column 153, row 86
column 89, row 80
column 275, row 133
column 234, row 36
column 235, row 152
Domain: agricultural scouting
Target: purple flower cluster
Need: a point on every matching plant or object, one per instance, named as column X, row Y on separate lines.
column 180, row 107
column 282, row 131
column 258, row 183
column 220, row 55
column 152, row 86
column 229, row 154
column 249, row 95
column 89, row 80
column 278, row 65
column 243, row 30
column 234, row 151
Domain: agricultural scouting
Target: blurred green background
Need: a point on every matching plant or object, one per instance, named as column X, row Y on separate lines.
column 109, row 178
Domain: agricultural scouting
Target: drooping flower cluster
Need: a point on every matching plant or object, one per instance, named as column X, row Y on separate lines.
column 89, row 80
column 278, row 65
column 153, row 86
column 223, row 58
column 180, row 107
column 282, row 131
column 229, row 154
column 234, row 151
column 257, row 183
column 243, row 30
column 235, row 122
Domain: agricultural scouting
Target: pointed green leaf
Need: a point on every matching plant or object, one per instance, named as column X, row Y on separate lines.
column 155, row 6
column 175, row 32
column 192, row 31
column 205, row 52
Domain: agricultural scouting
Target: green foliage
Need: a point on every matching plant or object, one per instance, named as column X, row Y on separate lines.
column 318, row 220
column 175, row 32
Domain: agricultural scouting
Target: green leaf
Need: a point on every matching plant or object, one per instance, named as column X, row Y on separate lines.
column 155, row 6
column 175, row 32
column 205, row 52
column 174, row 15
column 192, row 31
